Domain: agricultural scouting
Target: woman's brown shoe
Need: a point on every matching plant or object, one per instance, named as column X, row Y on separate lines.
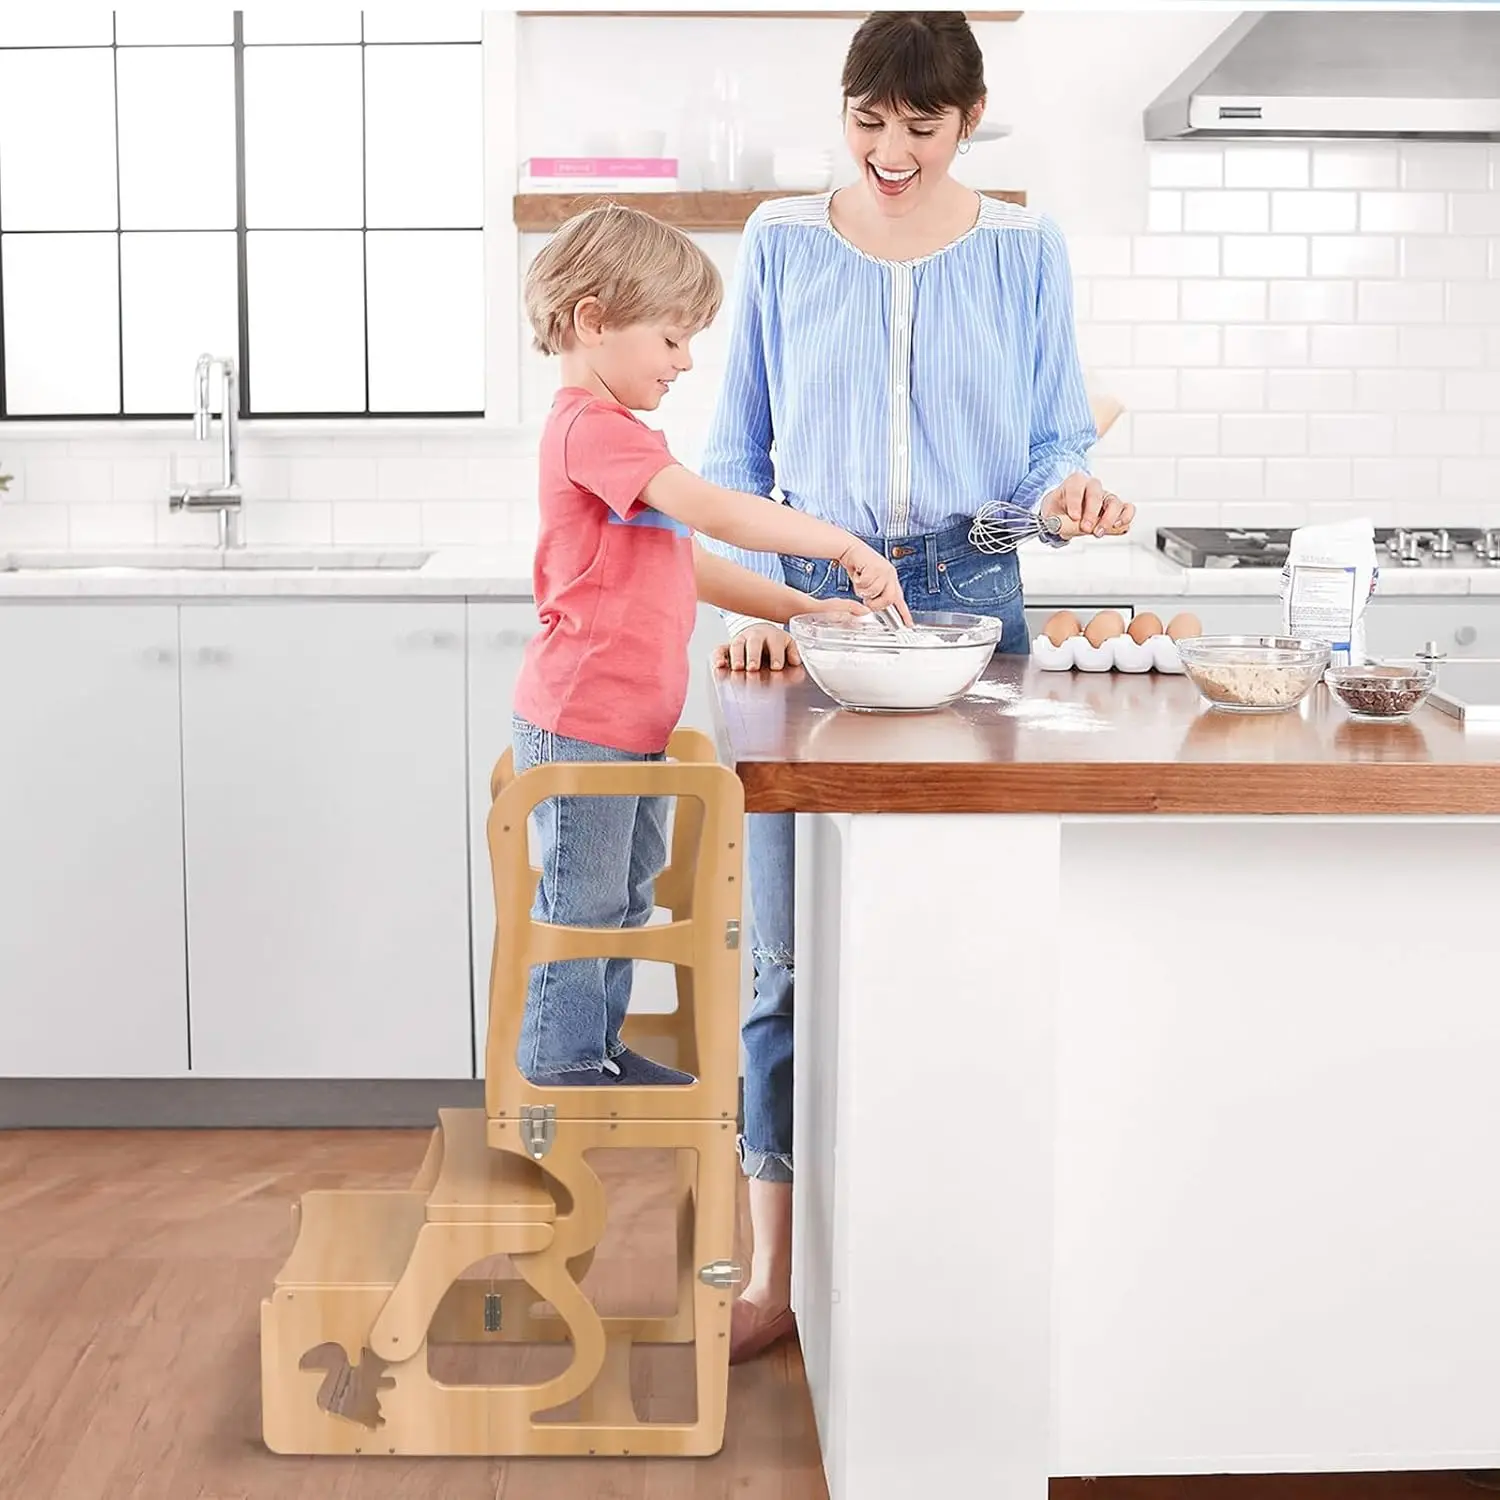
column 752, row 1332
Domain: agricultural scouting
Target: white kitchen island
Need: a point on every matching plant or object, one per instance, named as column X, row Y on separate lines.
column 1146, row 1101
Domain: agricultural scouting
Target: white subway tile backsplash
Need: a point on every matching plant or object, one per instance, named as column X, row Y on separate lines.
column 1268, row 346
column 1400, row 302
column 1446, row 348
column 1447, row 258
column 140, row 480
column 1354, row 255
column 1221, row 478
column 1309, row 478
column 1262, row 513
column 1353, row 435
column 1180, row 344
column 1175, row 435
column 1226, row 212
column 1140, row 479
column 1451, row 166
column 1412, row 481
column 1398, row 390
column 1139, row 389
column 1266, row 167
column 1135, row 301
column 1264, row 433
column 1177, row 255
column 1474, row 302
column 1473, row 392
column 363, row 522
column 1403, row 213
column 1106, row 344
column 1355, row 167
column 1186, row 166
column 69, row 481
column 317, row 479
column 1475, row 213
column 127, row 524
column 1329, row 512
column 1223, row 390
column 1083, row 298
column 1348, row 347
column 289, row 523
column 24, row 525
column 420, row 477
column 1221, row 301
column 1492, row 436
column 1314, row 212
column 1099, row 254
column 1311, row 390
column 1265, row 255
column 1475, row 479
column 468, row 523
column 1312, row 301
column 1164, row 212
column 1439, row 432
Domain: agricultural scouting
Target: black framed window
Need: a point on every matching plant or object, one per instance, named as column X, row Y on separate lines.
column 304, row 192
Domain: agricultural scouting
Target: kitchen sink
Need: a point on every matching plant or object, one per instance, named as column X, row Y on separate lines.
column 205, row 559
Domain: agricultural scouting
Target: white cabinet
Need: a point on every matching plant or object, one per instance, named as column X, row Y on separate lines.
column 327, row 897
column 92, row 979
column 498, row 633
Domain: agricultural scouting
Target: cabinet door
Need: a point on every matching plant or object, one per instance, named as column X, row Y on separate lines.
column 92, row 981
column 323, row 755
column 498, row 633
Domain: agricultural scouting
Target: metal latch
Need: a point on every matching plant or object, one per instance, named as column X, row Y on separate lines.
column 538, row 1127
column 721, row 1273
column 492, row 1312
column 732, row 935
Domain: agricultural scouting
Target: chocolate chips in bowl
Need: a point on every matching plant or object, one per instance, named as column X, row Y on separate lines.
column 1380, row 692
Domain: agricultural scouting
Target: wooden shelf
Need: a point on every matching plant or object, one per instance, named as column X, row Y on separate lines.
column 759, row 15
column 540, row 212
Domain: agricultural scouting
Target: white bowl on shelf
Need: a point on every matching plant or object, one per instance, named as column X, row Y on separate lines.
column 805, row 169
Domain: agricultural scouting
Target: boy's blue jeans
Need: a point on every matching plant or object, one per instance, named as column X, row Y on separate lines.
column 939, row 572
column 599, row 859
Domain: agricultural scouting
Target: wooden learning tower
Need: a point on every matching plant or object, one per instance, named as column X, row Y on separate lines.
column 374, row 1281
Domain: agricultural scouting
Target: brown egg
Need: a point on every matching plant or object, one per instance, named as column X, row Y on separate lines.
column 1063, row 626
column 1105, row 626
column 1184, row 627
column 1143, row 627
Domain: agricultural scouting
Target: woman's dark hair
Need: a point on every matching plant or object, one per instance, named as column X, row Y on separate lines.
column 925, row 61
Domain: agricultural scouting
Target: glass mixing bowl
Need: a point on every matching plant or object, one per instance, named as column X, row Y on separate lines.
column 1253, row 673
column 1382, row 692
column 861, row 664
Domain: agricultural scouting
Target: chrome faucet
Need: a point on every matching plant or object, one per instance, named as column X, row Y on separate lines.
column 225, row 497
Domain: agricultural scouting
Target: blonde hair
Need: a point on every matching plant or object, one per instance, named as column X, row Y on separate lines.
column 639, row 268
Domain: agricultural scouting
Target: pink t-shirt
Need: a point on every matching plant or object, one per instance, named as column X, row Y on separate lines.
column 614, row 584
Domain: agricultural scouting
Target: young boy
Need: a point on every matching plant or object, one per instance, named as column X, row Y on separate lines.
column 618, row 297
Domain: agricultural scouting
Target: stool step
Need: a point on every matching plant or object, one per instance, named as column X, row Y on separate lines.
column 356, row 1238
column 479, row 1185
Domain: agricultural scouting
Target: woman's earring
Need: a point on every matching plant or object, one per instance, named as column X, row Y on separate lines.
column 963, row 146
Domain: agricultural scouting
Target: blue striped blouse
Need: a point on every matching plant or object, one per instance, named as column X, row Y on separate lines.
column 894, row 398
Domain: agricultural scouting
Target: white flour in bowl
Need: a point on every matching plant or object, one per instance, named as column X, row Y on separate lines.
column 922, row 674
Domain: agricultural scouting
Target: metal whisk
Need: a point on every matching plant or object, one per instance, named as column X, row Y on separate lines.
column 1001, row 526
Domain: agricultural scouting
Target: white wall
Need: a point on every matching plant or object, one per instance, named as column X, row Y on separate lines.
column 1296, row 332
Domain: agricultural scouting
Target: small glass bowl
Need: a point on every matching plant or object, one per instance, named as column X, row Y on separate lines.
column 862, row 664
column 1253, row 674
column 1376, row 692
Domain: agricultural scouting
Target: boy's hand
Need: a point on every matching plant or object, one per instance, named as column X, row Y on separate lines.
column 874, row 578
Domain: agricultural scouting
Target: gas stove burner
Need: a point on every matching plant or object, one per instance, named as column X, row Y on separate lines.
column 1402, row 546
column 1221, row 547
column 1420, row 547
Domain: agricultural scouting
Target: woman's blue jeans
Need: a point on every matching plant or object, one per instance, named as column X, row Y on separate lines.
column 942, row 571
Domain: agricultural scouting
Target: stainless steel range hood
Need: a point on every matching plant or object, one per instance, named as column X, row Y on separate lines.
column 1340, row 74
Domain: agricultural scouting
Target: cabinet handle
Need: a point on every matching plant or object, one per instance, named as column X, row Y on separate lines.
column 212, row 656
column 504, row 640
column 1465, row 635
column 159, row 656
column 444, row 640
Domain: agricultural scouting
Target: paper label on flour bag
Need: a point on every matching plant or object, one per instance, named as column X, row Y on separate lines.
column 1320, row 603
column 1328, row 579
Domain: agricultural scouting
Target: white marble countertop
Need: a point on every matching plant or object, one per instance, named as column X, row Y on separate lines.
column 1118, row 570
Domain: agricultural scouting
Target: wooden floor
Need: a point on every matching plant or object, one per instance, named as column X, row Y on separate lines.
column 132, row 1265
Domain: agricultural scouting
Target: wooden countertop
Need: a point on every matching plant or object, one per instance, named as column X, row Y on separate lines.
column 1028, row 741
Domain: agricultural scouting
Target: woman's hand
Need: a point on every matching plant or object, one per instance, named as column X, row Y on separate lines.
column 1087, row 508
column 770, row 646
column 873, row 578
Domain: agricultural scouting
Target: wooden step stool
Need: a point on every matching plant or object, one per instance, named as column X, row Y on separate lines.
column 375, row 1275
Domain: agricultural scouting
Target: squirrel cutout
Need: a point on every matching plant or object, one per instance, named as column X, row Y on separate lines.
column 349, row 1391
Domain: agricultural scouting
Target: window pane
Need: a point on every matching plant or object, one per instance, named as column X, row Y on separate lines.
column 62, row 323
column 175, row 174
column 425, row 137
column 311, row 24
column 174, row 26
column 52, row 26
column 57, row 122
column 307, row 341
column 180, row 301
column 426, row 320
column 302, row 138
column 411, row 24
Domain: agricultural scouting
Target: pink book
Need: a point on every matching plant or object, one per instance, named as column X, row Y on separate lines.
column 600, row 166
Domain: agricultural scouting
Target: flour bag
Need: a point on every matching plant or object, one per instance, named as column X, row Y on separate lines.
column 1328, row 579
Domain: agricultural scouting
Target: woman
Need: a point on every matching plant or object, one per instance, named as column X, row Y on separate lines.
column 906, row 347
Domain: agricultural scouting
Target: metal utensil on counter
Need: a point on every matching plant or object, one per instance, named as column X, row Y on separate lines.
column 1001, row 526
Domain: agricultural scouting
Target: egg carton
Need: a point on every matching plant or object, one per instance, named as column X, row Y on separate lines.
column 1157, row 653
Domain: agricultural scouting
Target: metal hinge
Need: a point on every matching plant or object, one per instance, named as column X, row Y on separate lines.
column 492, row 1312
column 538, row 1128
column 721, row 1273
column 732, row 935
